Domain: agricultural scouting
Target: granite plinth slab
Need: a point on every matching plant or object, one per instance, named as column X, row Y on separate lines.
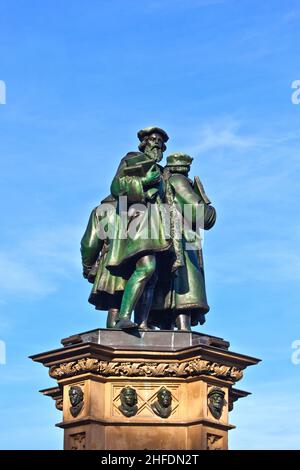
column 145, row 340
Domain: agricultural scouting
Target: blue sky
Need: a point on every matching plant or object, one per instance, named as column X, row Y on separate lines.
column 82, row 78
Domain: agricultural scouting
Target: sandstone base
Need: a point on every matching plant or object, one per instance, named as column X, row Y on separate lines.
column 102, row 362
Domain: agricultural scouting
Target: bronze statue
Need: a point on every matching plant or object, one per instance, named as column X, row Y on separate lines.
column 107, row 289
column 162, row 407
column 183, row 292
column 76, row 399
column 216, row 402
column 139, row 179
column 128, row 397
column 132, row 250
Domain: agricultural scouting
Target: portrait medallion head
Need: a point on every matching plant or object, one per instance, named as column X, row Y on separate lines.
column 128, row 397
column 216, row 402
column 76, row 396
column 163, row 405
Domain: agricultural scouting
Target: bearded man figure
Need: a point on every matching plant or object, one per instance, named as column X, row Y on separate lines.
column 139, row 237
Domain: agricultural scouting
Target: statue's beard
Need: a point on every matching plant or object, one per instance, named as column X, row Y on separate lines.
column 154, row 152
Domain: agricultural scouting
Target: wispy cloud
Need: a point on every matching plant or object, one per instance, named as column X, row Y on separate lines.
column 267, row 262
column 275, row 419
column 255, row 182
column 224, row 134
column 291, row 16
column 38, row 262
column 229, row 133
column 20, row 277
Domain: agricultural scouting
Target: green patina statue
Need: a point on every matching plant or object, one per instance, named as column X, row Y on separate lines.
column 142, row 246
column 162, row 407
column 129, row 399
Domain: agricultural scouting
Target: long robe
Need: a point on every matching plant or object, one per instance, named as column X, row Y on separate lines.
column 184, row 290
column 107, row 289
column 143, row 231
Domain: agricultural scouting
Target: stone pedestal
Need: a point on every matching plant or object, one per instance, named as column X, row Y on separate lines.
column 198, row 370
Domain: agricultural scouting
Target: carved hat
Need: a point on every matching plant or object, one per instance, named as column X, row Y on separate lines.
column 217, row 391
column 150, row 130
column 179, row 159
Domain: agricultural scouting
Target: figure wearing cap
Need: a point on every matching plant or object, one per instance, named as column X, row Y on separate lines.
column 111, row 263
column 216, row 402
column 108, row 288
column 183, row 293
column 135, row 256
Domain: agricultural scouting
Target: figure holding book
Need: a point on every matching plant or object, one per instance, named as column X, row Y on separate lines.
column 132, row 250
column 139, row 236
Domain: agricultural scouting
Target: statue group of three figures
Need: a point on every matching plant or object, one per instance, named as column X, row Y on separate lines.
column 142, row 246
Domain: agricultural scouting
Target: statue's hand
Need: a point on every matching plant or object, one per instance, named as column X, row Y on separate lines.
column 85, row 272
column 152, row 177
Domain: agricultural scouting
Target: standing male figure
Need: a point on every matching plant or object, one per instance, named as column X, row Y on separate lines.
column 139, row 178
column 182, row 294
